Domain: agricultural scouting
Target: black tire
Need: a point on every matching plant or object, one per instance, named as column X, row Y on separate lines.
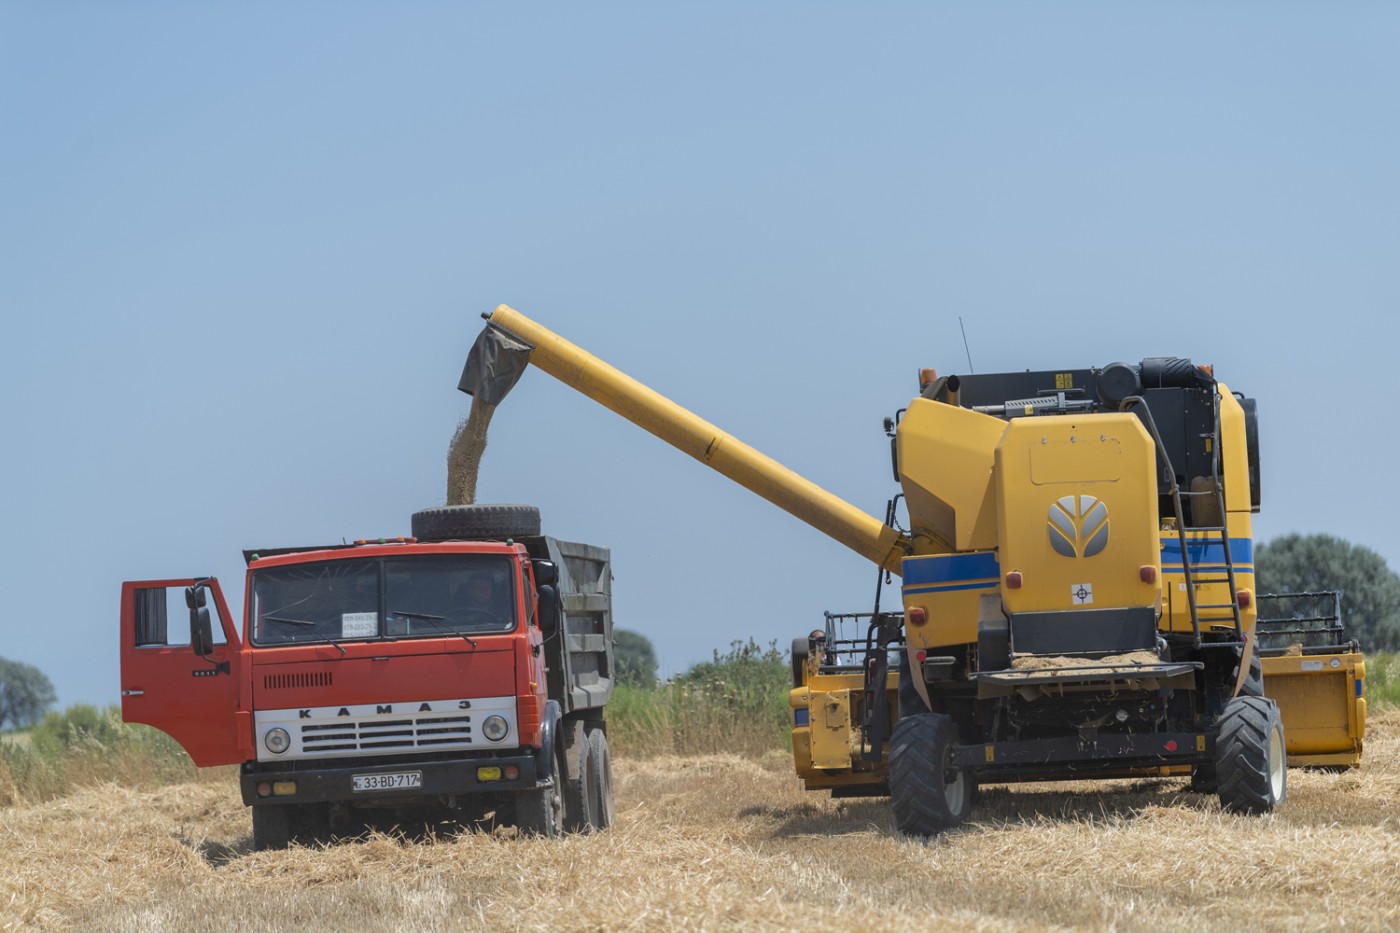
column 600, row 779
column 272, row 826
column 1203, row 778
column 927, row 795
column 1251, row 761
column 801, row 650
column 578, row 791
column 476, row 521
column 1253, row 685
column 540, row 812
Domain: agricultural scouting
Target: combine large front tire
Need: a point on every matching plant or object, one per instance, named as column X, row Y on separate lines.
column 476, row 521
column 1251, row 763
column 927, row 794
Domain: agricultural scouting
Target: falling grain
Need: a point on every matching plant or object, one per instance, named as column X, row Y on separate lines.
column 464, row 454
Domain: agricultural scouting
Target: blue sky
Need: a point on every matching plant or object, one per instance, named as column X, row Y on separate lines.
column 244, row 249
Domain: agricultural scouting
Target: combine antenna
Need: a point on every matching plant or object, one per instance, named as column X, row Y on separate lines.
column 965, row 349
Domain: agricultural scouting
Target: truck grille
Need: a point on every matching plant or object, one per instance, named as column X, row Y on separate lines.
column 289, row 681
column 386, row 735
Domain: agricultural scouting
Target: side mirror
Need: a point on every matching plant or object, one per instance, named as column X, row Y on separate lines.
column 549, row 609
column 546, row 573
column 201, row 627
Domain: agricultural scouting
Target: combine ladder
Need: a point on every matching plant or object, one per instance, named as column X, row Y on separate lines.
column 1207, row 536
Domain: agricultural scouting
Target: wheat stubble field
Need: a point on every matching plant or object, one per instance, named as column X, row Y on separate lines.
column 712, row 843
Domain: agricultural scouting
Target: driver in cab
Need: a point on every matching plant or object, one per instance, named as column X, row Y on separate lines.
column 479, row 603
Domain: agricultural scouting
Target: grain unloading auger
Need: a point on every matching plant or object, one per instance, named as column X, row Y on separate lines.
column 1078, row 580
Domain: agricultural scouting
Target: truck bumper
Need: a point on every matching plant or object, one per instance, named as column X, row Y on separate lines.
column 313, row 782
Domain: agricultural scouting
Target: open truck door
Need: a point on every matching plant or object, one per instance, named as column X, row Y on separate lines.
column 187, row 680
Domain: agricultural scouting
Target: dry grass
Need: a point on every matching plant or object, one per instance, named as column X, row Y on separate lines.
column 723, row 842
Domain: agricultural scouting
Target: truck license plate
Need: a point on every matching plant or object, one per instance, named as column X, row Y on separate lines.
column 393, row 780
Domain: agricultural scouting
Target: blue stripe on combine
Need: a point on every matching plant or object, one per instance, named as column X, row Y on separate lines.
column 947, row 572
column 1203, row 552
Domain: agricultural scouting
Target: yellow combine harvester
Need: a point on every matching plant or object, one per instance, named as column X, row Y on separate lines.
column 1078, row 581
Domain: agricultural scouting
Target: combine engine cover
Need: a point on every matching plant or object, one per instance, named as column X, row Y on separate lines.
column 1077, row 521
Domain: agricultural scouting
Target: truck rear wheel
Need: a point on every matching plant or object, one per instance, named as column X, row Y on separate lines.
column 600, row 779
column 927, row 794
column 1251, row 763
column 476, row 521
column 578, row 790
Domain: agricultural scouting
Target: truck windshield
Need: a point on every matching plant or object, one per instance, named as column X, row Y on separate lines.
column 336, row 601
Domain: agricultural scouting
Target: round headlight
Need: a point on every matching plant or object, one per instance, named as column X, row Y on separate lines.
column 277, row 741
column 494, row 728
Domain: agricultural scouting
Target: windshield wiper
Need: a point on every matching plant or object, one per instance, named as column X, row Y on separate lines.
column 439, row 621
column 307, row 622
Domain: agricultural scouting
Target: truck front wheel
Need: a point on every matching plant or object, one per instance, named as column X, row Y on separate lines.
column 927, row 794
column 1251, row 763
column 540, row 812
column 272, row 827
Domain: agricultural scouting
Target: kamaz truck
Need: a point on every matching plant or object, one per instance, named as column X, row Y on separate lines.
column 463, row 671
column 1078, row 579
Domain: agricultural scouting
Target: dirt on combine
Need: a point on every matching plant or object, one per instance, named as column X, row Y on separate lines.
column 721, row 843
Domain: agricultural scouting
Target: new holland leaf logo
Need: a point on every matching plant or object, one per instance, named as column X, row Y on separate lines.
column 1078, row 526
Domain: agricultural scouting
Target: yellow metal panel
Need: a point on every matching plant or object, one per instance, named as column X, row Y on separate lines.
column 1077, row 512
column 832, row 729
column 1317, row 698
column 945, row 470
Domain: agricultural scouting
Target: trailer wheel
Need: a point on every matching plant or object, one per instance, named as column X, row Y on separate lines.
column 476, row 521
column 1250, row 760
column 272, row 826
column 579, row 814
column 600, row 779
column 540, row 812
column 927, row 794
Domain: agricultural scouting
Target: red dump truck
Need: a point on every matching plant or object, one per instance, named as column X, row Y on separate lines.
column 465, row 669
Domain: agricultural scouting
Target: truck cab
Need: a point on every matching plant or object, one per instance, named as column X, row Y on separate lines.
column 386, row 674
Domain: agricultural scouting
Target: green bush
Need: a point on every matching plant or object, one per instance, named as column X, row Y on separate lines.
column 84, row 745
column 1383, row 679
column 736, row 702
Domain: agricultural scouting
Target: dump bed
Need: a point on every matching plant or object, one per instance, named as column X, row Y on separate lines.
column 579, row 655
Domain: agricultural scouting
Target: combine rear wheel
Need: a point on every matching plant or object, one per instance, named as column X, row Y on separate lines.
column 927, row 794
column 1251, row 764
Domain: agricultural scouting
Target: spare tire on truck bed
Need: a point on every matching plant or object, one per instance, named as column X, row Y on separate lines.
column 476, row 521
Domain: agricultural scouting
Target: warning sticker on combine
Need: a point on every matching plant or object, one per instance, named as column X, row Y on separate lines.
column 1081, row 594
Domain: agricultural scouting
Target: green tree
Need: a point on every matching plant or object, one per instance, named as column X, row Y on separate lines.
column 25, row 693
column 1311, row 563
column 634, row 658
